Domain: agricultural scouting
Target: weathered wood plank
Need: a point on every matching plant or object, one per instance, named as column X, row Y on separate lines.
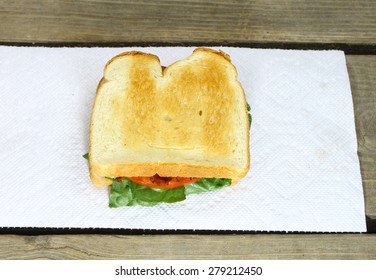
column 362, row 71
column 189, row 21
column 258, row 246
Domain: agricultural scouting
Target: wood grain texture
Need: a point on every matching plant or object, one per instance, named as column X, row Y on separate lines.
column 189, row 21
column 362, row 71
column 258, row 246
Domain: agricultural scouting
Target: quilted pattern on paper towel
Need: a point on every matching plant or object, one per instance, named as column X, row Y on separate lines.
column 304, row 173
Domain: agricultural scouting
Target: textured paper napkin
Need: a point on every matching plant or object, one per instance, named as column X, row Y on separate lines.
column 304, row 172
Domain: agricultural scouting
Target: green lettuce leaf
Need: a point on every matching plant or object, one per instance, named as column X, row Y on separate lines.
column 206, row 184
column 249, row 114
column 129, row 193
column 86, row 156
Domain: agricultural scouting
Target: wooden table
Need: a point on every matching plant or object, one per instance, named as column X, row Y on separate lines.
column 323, row 24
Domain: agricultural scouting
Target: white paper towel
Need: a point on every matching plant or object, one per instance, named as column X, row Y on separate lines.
column 304, row 172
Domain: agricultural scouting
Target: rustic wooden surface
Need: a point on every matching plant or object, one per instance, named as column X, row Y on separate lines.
column 257, row 246
column 350, row 25
column 362, row 69
column 189, row 21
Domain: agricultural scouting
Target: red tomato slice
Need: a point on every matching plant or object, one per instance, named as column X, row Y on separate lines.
column 163, row 182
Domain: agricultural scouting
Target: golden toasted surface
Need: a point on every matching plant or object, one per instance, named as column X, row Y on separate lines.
column 188, row 119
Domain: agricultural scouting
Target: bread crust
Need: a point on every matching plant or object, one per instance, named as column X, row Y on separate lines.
column 130, row 53
column 99, row 171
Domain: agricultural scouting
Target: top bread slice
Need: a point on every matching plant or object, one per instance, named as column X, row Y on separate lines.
column 189, row 119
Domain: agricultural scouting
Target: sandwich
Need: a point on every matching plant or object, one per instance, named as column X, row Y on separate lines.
column 158, row 134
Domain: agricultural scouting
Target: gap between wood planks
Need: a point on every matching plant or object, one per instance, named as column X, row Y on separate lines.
column 350, row 49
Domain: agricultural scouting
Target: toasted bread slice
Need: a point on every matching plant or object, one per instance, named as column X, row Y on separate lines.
column 189, row 119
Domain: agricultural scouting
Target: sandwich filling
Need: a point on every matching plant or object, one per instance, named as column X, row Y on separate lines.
column 125, row 192
column 157, row 181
